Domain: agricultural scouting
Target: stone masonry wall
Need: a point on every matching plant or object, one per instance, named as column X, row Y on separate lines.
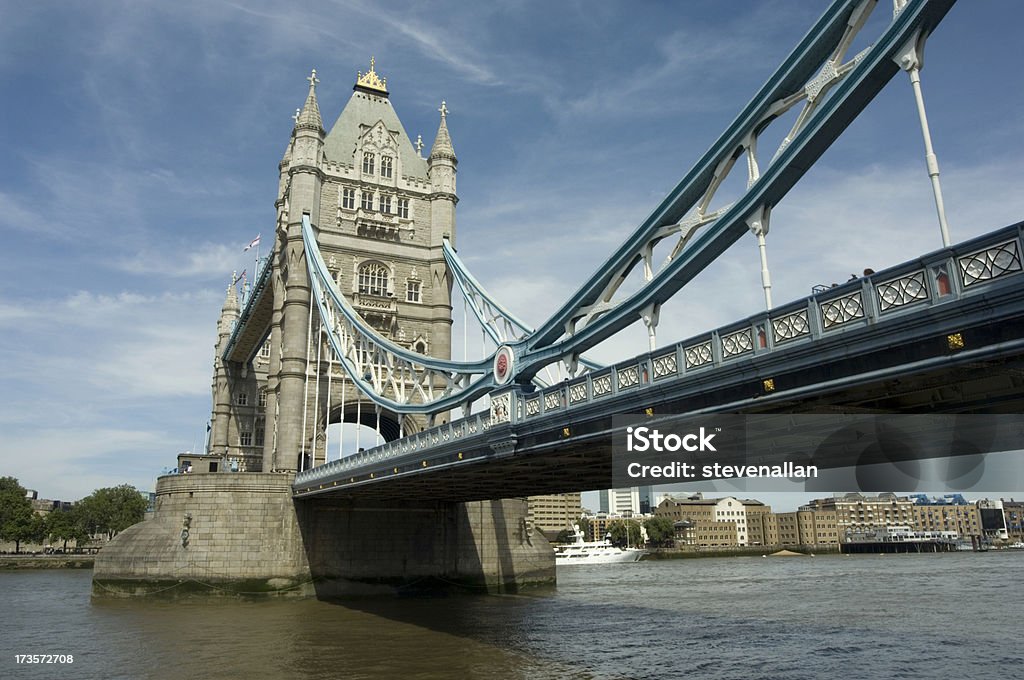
column 243, row 538
column 484, row 545
column 247, row 537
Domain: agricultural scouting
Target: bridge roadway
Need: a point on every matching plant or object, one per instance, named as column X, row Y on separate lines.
column 940, row 334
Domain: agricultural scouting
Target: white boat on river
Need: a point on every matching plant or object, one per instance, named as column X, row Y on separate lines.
column 594, row 552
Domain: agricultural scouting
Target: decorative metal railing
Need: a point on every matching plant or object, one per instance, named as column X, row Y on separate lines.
column 900, row 291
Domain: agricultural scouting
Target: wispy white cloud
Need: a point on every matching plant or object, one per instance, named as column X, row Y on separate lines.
column 145, row 157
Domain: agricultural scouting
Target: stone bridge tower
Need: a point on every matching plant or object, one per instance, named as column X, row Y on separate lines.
column 381, row 210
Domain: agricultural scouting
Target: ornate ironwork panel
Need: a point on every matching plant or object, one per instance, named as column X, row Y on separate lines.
column 532, row 406
column 990, row 264
column 628, row 377
column 552, row 401
column 790, row 326
column 902, row 291
column 737, row 343
column 839, row 311
column 602, row 385
column 577, row 393
column 665, row 366
column 699, row 355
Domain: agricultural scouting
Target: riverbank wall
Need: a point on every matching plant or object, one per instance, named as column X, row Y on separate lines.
column 9, row 562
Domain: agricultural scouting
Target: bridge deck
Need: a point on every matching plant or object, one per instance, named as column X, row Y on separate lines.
column 941, row 334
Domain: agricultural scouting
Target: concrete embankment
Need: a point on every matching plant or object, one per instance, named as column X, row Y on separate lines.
column 46, row 562
column 753, row 551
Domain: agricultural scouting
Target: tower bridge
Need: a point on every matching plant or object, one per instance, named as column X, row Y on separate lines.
column 350, row 320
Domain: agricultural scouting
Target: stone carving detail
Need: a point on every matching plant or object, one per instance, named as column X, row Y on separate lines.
column 990, row 264
column 500, row 412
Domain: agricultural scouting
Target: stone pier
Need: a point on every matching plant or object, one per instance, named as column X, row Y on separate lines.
column 241, row 534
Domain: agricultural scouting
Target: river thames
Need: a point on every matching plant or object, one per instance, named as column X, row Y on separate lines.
column 865, row 616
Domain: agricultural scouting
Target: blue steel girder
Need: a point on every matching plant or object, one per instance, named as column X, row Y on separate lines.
column 853, row 85
column 951, row 315
column 253, row 324
column 501, row 325
column 590, row 315
column 388, row 374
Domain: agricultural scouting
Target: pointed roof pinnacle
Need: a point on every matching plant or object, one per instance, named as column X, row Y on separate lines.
column 443, row 141
column 231, row 299
column 371, row 82
column 309, row 116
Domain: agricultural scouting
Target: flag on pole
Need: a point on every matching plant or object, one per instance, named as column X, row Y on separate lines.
column 255, row 242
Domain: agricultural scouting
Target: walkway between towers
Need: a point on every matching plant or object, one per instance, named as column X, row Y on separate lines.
column 941, row 334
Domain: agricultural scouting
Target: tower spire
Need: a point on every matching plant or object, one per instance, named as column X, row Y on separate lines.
column 443, row 142
column 309, row 116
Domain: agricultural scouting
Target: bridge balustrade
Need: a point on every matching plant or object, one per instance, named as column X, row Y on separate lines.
column 934, row 279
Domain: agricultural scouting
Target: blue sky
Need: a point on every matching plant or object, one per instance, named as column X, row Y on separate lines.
column 141, row 140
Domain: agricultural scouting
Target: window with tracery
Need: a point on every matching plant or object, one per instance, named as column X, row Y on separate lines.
column 367, row 202
column 348, row 199
column 367, row 163
column 385, row 204
column 373, row 279
column 403, row 208
column 412, row 291
column 385, row 166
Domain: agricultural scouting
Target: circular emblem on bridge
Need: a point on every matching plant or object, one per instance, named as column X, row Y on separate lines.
column 503, row 362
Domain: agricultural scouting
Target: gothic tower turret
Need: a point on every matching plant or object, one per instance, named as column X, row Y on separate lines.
column 441, row 168
column 380, row 211
column 221, row 387
column 289, row 325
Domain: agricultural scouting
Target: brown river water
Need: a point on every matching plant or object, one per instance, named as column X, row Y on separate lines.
column 865, row 616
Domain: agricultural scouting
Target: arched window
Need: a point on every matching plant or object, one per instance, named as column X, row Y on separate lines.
column 373, row 279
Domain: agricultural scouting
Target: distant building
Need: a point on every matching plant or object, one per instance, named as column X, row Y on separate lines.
column 859, row 513
column 809, row 527
column 993, row 521
column 948, row 513
column 1013, row 515
column 555, row 512
column 710, row 522
column 625, row 502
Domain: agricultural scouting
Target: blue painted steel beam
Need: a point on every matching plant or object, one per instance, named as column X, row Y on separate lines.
column 852, row 94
